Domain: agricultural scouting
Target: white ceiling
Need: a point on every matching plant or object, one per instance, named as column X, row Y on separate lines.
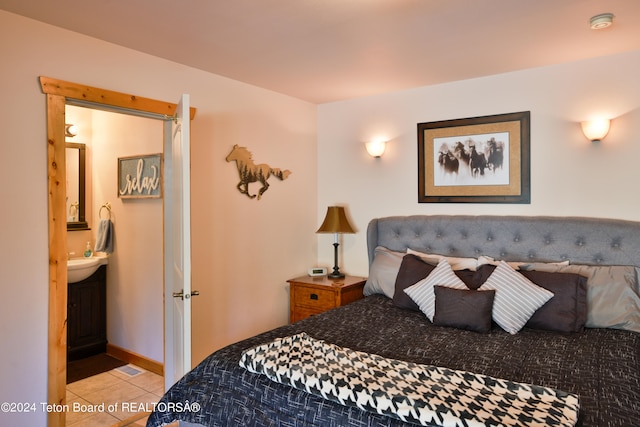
column 328, row 50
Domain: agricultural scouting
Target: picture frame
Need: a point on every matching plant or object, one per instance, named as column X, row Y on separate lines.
column 451, row 168
column 140, row 177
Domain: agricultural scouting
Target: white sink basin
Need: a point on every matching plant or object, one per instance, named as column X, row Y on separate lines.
column 80, row 268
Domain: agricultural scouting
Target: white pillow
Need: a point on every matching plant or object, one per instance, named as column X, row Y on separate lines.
column 456, row 263
column 516, row 265
column 422, row 292
column 516, row 299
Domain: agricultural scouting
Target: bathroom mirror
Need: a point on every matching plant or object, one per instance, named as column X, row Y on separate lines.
column 75, row 158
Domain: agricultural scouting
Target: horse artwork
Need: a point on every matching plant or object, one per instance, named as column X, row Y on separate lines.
column 475, row 160
column 449, row 163
column 495, row 154
column 250, row 172
column 467, row 162
column 478, row 162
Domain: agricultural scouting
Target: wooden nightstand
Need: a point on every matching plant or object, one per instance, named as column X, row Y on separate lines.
column 313, row 295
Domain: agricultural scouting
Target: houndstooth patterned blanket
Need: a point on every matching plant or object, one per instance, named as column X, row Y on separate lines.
column 414, row 393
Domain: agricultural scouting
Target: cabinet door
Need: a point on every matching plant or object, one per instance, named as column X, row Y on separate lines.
column 86, row 316
column 88, row 297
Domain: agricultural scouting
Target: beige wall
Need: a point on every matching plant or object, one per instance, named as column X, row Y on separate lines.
column 569, row 175
column 243, row 250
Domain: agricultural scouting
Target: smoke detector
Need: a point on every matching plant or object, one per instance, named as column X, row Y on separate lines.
column 604, row 20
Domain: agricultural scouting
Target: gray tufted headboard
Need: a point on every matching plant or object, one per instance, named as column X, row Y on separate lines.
column 511, row 238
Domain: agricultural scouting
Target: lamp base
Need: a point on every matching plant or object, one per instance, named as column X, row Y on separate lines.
column 336, row 270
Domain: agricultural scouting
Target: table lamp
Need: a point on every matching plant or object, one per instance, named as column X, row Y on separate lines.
column 335, row 222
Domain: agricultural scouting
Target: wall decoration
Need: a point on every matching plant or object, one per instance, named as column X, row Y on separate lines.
column 140, row 176
column 250, row 172
column 475, row 160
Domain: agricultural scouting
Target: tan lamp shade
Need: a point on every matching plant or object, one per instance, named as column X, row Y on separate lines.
column 335, row 221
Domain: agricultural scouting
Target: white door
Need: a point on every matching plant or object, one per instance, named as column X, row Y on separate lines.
column 177, row 246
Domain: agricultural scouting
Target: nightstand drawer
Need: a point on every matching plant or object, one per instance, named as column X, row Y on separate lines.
column 313, row 295
column 304, row 312
column 318, row 299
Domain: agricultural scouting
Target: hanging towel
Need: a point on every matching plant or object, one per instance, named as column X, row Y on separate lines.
column 104, row 241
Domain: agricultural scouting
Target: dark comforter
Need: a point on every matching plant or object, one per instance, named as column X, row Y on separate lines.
column 602, row 366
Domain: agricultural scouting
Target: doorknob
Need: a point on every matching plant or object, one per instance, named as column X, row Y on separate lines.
column 182, row 296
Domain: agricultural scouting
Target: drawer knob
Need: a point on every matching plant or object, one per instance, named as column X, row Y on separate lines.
column 313, row 296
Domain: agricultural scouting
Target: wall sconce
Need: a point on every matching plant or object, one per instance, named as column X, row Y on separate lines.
column 70, row 130
column 596, row 130
column 375, row 148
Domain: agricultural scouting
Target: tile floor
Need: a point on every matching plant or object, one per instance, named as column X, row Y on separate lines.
column 110, row 398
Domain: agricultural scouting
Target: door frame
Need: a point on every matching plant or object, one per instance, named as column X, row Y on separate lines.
column 59, row 93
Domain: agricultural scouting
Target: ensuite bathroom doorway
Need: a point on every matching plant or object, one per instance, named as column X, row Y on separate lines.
column 60, row 94
column 133, row 308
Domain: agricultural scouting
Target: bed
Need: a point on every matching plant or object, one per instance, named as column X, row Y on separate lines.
column 583, row 342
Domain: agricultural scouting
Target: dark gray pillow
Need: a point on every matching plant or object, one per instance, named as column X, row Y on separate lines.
column 613, row 294
column 463, row 309
column 412, row 270
column 567, row 310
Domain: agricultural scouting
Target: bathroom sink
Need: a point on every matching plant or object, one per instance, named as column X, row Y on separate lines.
column 80, row 268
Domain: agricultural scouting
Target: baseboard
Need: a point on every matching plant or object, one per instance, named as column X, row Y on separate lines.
column 136, row 359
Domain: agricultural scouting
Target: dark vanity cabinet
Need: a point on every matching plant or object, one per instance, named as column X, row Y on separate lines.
column 87, row 316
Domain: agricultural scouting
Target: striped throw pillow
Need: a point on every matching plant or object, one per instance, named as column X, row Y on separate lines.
column 422, row 292
column 516, row 299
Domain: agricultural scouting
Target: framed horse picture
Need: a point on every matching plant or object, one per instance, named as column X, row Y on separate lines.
column 475, row 160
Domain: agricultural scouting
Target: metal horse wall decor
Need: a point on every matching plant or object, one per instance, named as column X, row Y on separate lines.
column 250, row 172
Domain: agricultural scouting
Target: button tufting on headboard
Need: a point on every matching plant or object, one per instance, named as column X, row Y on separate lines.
column 579, row 240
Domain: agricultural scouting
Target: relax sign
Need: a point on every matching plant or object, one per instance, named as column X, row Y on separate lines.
column 140, row 176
